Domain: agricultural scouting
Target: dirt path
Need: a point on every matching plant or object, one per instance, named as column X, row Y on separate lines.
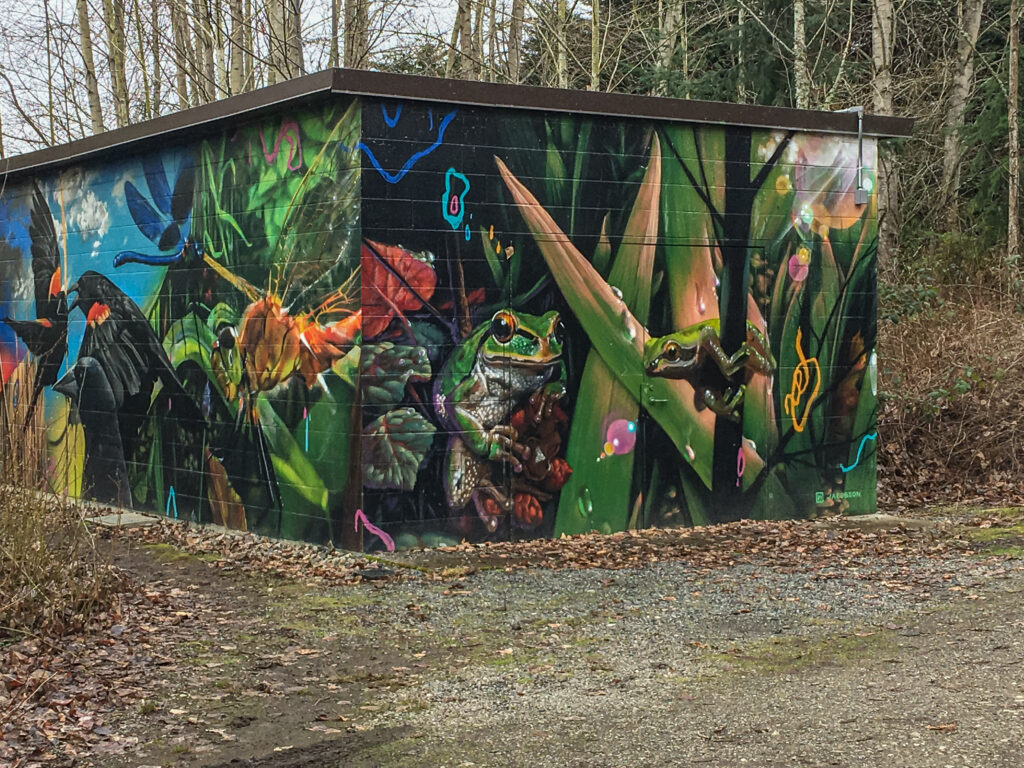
column 900, row 659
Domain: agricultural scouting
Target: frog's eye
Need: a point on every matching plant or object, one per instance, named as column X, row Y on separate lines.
column 672, row 352
column 503, row 327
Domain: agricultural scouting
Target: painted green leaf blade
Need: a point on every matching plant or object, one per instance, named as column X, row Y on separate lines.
column 614, row 332
column 597, row 494
column 303, row 494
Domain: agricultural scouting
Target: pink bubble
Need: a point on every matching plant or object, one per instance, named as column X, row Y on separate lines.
column 621, row 434
column 797, row 269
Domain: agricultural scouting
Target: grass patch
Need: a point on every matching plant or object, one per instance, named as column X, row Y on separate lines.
column 1006, row 537
column 791, row 654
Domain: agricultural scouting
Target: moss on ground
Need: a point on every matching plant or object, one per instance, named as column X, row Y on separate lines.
column 168, row 553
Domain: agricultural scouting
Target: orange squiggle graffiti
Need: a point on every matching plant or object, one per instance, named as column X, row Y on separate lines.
column 801, row 380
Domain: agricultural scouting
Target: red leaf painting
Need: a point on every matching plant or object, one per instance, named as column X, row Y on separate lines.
column 395, row 281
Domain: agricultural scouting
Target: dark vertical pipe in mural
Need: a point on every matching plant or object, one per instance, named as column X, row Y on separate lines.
column 735, row 285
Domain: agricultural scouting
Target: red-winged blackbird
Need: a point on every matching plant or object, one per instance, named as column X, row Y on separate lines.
column 112, row 383
column 47, row 336
column 120, row 337
column 124, row 344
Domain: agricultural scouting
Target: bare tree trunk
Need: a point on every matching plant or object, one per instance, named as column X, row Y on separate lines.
column 515, row 39
column 218, row 49
column 561, row 57
column 113, row 18
column 248, row 46
column 236, row 48
column 293, row 41
column 888, row 195
column 92, row 87
column 453, row 43
column 275, row 41
column 802, row 75
column 1013, row 217
column 205, row 47
column 968, row 26
column 356, row 32
column 667, row 44
column 492, row 43
column 595, row 45
column 181, row 52
column 478, row 41
column 140, row 39
column 466, row 41
column 334, row 60
column 156, row 55
column 741, row 53
column 49, row 70
column 2, row 153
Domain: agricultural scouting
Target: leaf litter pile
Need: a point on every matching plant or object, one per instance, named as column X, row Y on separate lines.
column 256, row 555
column 790, row 544
column 56, row 692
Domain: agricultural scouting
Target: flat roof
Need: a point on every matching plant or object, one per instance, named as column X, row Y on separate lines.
column 181, row 125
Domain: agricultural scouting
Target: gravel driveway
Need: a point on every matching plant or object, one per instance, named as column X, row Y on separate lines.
column 911, row 658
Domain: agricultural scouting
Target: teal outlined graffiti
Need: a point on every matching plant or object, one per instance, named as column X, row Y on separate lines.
column 453, row 205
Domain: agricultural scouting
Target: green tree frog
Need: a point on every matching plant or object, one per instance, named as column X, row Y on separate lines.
column 500, row 364
column 696, row 355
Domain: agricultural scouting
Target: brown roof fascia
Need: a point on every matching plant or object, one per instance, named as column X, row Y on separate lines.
column 191, row 122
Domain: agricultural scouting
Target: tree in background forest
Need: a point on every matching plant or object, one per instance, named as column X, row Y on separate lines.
column 68, row 69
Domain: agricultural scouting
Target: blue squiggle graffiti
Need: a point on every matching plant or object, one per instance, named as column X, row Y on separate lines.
column 394, row 178
column 391, row 121
column 856, row 461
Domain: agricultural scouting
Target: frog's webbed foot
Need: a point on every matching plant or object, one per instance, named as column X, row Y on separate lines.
column 543, row 401
column 492, row 504
column 760, row 352
column 728, row 405
column 727, row 364
column 755, row 356
column 503, row 444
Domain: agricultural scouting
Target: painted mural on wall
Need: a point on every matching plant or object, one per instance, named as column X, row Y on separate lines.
column 607, row 324
column 188, row 319
column 417, row 324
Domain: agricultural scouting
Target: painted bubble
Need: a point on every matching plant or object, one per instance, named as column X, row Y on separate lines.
column 799, row 264
column 620, row 438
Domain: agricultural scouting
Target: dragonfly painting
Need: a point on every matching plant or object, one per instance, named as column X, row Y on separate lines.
column 260, row 312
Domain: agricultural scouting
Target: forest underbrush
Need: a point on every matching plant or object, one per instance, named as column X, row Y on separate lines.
column 951, row 394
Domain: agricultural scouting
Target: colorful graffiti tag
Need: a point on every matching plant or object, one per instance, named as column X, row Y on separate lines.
column 390, row 325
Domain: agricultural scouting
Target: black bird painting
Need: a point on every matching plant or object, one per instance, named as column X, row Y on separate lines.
column 118, row 335
column 96, row 407
column 119, row 363
column 47, row 335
